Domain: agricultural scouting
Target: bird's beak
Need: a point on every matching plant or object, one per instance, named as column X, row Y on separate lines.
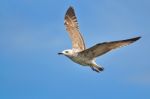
column 60, row 53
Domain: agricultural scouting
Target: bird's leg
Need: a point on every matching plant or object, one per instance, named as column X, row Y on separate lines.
column 95, row 69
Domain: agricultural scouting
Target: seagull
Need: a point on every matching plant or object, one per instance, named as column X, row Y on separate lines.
column 86, row 56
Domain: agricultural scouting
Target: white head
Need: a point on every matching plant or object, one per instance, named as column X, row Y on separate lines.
column 68, row 52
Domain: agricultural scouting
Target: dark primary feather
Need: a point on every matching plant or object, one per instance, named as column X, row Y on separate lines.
column 102, row 48
column 70, row 18
column 73, row 29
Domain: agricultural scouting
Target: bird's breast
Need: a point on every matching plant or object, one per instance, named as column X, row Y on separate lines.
column 81, row 60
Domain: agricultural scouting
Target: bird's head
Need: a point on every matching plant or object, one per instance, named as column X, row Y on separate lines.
column 68, row 52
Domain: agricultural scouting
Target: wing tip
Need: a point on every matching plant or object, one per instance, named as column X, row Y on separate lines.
column 70, row 12
column 135, row 38
column 70, row 9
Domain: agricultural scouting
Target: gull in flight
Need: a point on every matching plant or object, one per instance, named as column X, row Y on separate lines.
column 86, row 56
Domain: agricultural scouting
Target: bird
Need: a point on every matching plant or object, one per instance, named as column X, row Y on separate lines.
column 87, row 56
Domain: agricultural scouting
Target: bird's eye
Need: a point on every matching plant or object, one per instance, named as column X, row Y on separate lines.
column 67, row 51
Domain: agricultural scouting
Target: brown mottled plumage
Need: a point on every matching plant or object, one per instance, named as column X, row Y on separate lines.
column 73, row 30
column 102, row 48
column 79, row 53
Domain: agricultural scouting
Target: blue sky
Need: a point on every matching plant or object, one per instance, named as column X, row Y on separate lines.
column 32, row 32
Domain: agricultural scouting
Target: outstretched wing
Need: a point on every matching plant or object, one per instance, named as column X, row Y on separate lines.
column 102, row 48
column 73, row 30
